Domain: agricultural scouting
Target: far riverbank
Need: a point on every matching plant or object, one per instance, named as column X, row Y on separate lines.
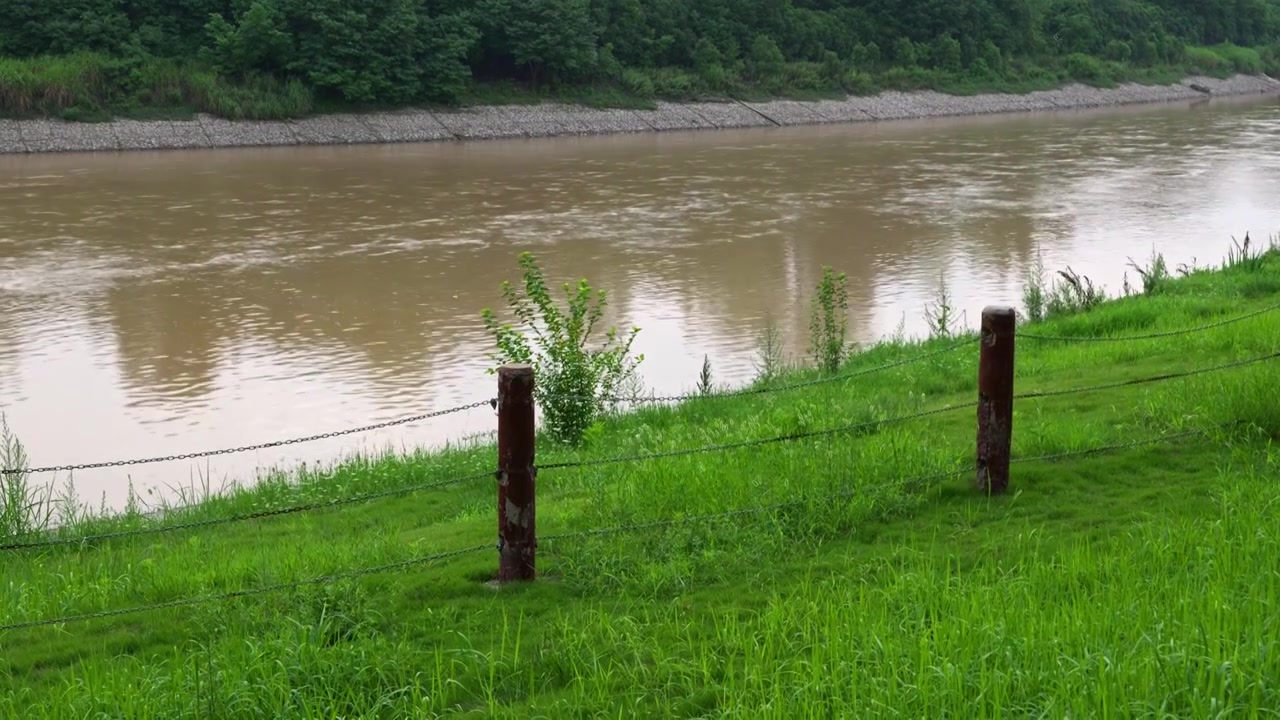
column 550, row 120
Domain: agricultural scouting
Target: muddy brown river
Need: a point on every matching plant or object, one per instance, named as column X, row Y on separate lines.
column 163, row 303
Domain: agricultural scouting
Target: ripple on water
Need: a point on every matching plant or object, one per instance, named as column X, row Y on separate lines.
column 155, row 307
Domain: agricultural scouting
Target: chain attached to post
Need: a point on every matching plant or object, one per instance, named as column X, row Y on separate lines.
column 517, row 536
column 995, row 398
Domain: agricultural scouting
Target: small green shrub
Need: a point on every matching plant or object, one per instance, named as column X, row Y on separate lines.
column 1270, row 57
column 1154, row 275
column 1086, row 68
column 804, row 76
column 24, row 509
column 706, row 385
column 1205, row 60
column 674, row 83
column 1241, row 59
column 829, row 321
column 716, row 77
column 769, row 359
column 1073, row 293
column 765, row 59
column 865, row 57
column 905, row 79
column 1243, row 256
column 637, row 83
column 833, row 69
column 1118, row 51
column 258, row 97
column 1034, row 297
column 857, row 82
column 940, row 314
column 572, row 381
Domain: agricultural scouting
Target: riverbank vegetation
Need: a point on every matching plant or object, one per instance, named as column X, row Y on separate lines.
column 90, row 59
column 868, row 579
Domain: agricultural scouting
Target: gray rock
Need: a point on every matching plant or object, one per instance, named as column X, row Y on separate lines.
column 408, row 126
column 341, row 129
column 841, row 111
column 673, row 116
column 11, row 138
column 550, row 119
column 189, row 134
column 144, row 135
column 594, row 121
column 489, row 123
column 246, row 133
column 791, row 112
column 160, row 135
column 729, row 115
column 59, row 136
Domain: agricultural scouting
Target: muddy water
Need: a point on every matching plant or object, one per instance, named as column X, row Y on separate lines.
column 163, row 303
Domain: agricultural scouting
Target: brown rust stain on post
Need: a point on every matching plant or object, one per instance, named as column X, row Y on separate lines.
column 995, row 398
column 517, row 537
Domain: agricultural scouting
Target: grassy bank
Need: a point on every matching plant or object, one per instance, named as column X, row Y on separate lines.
column 1141, row 580
column 93, row 87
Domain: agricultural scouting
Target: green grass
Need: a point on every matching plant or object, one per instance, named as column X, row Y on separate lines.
column 92, row 87
column 1138, row 582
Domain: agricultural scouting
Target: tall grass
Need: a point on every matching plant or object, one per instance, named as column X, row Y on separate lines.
column 1240, row 59
column 94, row 86
column 24, row 508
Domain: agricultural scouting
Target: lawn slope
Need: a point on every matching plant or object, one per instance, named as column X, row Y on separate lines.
column 1136, row 581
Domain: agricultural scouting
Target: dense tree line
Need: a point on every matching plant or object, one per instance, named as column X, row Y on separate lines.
column 400, row 51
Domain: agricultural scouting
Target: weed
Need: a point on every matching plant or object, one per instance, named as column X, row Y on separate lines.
column 769, row 357
column 572, row 380
column 1033, row 291
column 705, row 384
column 1154, row 274
column 1073, row 293
column 940, row 314
column 829, row 321
column 1242, row 256
column 24, row 509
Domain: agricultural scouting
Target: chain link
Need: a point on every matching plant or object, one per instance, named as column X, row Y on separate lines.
column 1143, row 381
column 1109, row 448
column 247, row 448
column 250, row 516
column 1150, row 336
column 598, row 532
column 333, row 577
column 754, row 443
column 793, row 386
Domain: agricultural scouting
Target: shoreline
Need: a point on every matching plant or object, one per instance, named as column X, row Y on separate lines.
column 555, row 119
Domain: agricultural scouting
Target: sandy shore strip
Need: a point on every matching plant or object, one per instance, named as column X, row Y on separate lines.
column 552, row 119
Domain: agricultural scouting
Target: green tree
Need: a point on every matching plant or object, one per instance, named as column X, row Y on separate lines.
column 766, row 60
column 256, row 43
column 554, row 39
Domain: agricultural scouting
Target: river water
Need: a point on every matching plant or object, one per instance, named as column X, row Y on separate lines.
column 170, row 302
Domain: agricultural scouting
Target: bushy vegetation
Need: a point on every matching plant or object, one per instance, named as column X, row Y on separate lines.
column 1140, row 581
column 284, row 58
column 574, row 381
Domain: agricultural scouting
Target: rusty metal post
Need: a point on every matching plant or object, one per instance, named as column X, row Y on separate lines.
column 517, row 538
column 995, row 398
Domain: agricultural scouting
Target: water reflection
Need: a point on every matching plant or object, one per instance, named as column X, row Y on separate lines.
column 158, row 303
